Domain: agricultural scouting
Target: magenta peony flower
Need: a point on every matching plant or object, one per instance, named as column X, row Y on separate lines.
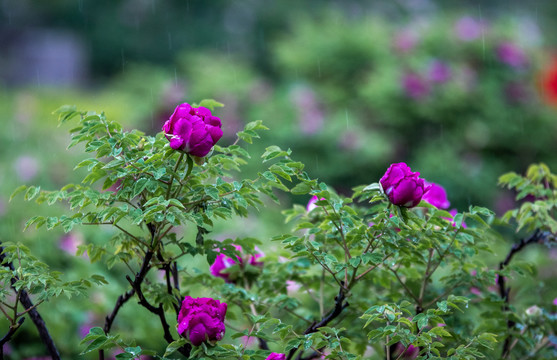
column 453, row 213
column 311, row 203
column 511, row 54
column 439, row 72
column 414, row 86
column 276, row 356
column 410, row 353
column 223, row 262
column 192, row 130
column 402, row 186
column 436, row 196
column 201, row 320
column 468, row 28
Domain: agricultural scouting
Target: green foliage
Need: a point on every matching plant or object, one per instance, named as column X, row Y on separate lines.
column 373, row 279
column 540, row 185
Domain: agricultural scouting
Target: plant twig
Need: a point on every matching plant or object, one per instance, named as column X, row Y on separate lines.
column 9, row 334
column 32, row 311
column 340, row 304
column 504, row 290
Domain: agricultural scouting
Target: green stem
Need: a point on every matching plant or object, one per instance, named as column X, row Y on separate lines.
column 172, row 176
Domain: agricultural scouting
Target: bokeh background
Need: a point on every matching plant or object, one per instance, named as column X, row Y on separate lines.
column 460, row 90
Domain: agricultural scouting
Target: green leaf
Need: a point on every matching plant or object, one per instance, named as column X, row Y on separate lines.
column 210, row 104
column 301, row 189
column 17, row 191
column 175, row 345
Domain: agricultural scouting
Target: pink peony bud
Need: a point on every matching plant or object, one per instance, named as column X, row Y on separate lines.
column 223, row 262
column 193, row 130
column 402, row 186
column 201, row 320
column 276, row 356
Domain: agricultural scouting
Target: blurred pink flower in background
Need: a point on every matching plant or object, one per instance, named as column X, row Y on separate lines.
column 439, row 72
column 467, row 28
column 26, row 167
column 87, row 324
column 70, row 241
column 510, row 54
column 223, row 262
column 311, row 203
column 414, row 86
column 311, row 118
column 405, row 41
column 555, row 301
column 410, row 353
column 292, row 287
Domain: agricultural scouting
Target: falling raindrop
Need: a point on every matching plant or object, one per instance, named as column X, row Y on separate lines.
column 169, row 41
column 482, row 30
column 38, row 77
column 346, row 115
column 467, row 305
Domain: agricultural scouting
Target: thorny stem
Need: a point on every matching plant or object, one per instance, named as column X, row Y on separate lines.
column 172, row 176
column 537, row 237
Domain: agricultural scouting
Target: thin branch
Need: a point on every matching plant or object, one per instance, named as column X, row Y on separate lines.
column 340, row 304
column 404, row 286
column 504, row 291
column 9, row 334
column 33, row 313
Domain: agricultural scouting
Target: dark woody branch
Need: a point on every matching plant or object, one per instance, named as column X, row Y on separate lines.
column 340, row 305
column 537, row 237
column 33, row 313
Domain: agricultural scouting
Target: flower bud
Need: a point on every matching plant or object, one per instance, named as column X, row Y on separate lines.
column 276, row 356
column 402, row 186
column 201, row 320
column 193, row 130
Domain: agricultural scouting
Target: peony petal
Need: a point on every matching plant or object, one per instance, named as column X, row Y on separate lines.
column 176, row 142
column 198, row 334
column 202, row 111
column 215, row 132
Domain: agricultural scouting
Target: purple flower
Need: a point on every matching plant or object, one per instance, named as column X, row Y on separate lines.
column 409, row 353
column 402, row 186
column 405, row 41
column 26, row 167
column 467, row 28
column 193, row 130
column 555, row 301
column 70, row 242
column 439, row 72
column 453, row 213
column 510, row 54
column 276, row 356
column 311, row 203
column 201, row 320
column 223, row 262
column 415, row 86
column 436, row 196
